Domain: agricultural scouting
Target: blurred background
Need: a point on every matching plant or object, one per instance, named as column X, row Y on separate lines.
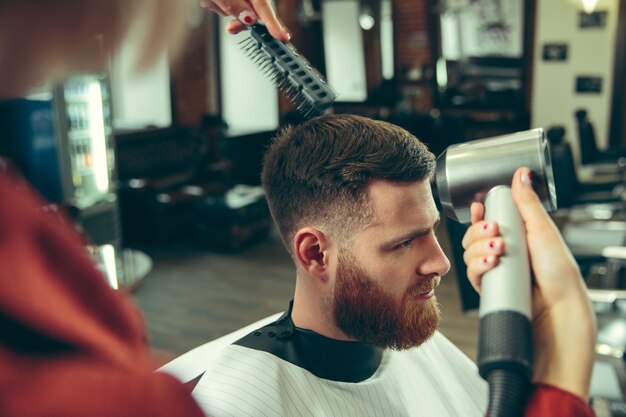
column 160, row 170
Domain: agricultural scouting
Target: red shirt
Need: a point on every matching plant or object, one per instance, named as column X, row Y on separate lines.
column 549, row 401
column 71, row 346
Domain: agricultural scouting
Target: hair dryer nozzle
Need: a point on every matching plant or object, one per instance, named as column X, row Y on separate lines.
column 467, row 171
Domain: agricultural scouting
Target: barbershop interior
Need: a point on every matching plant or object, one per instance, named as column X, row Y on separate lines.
column 160, row 170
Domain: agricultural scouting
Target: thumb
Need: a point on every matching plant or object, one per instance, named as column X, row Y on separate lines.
column 549, row 254
column 534, row 215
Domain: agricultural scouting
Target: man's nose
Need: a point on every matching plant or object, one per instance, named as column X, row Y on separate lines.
column 436, row 262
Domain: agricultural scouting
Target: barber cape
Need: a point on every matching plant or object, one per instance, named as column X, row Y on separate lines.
column 282, row 370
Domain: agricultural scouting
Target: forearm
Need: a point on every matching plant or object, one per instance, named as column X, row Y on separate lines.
column 564, row 346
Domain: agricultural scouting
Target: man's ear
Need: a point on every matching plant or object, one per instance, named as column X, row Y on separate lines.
column 312, row 251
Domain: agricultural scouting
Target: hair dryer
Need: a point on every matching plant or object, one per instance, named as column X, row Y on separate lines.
column 482, row 170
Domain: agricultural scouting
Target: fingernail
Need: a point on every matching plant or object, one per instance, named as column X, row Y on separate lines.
column 247, row 17
column 486, row 227
column 489, row 259
column 287, row 34
column 494, row 244
column 527, row 177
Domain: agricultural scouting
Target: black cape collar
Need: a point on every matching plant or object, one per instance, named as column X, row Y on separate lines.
column 324, row 357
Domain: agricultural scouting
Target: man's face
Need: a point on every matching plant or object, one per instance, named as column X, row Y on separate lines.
column 384, row 287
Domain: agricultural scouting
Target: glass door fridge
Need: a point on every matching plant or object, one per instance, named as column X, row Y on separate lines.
column 85, row 132
column 62, row 139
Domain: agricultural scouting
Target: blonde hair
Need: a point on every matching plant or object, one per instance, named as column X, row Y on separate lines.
column 165, row 27
column 42, row 38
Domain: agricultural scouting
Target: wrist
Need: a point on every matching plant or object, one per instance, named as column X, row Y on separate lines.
column 564, row 348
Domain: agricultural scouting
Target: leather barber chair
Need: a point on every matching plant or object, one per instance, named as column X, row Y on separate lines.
column 593, row 223
column 164, row 178
column 609, row 161
column 569, row 189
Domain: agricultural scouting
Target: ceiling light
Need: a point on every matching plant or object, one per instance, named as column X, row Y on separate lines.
column 366, row 21
column 589, row 5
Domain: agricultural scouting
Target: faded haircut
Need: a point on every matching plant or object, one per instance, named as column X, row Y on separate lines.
column 315, row 174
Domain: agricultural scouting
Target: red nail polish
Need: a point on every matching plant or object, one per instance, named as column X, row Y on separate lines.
column 486, row 227
column 247, row 17
column 492, row 244
column 489, row 259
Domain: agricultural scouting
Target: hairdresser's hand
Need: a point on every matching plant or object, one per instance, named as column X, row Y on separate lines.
column 246, row 13
column 563, row 320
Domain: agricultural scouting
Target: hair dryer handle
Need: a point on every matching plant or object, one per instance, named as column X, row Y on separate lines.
column 507, row 287
column 505, row 339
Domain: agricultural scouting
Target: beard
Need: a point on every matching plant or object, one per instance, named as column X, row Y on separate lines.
column 364, row 311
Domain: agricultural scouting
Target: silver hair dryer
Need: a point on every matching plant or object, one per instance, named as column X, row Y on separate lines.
column 482, row 171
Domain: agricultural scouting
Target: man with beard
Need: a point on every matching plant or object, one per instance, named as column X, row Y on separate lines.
column 352, row 201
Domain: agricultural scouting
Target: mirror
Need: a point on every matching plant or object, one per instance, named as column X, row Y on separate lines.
column 480, row 54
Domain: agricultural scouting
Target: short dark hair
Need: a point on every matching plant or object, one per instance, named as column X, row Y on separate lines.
column 316, row 173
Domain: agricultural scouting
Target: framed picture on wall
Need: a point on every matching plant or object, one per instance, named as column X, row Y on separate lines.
column 481, row 48
column 555, row 52
column 586, row 84
column 593, row 20
column 481, row 29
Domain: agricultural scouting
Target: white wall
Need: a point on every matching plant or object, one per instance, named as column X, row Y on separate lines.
column 249, row 98
column 343, row 49
column 590, row 52
column 139, row 98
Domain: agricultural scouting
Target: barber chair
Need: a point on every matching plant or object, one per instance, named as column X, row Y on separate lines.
column 607, row 291
column 599, row 247
column 590, row 215
column 569, row 190
column 610, row 161
column 607, row 392
column 163, row 180
column 234, row 220
column 593, row 223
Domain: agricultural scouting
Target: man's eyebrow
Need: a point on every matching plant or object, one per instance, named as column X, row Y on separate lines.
column 411, row 235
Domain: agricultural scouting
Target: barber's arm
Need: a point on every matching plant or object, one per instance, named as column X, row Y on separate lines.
column 564, row 329
column 247, row 13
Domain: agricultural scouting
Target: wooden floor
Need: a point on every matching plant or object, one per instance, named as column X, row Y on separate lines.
column 194, row 295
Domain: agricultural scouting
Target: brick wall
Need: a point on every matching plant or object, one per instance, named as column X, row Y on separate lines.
column 411, row 26
column 190, row 80
column 412, row 52
column 413, row 30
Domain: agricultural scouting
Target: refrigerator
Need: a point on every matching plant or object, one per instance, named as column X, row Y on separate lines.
column 62, row 140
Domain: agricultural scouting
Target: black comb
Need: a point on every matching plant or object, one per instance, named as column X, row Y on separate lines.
column 291, row 72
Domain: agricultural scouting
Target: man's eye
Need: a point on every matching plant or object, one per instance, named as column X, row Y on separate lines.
column 406, row 244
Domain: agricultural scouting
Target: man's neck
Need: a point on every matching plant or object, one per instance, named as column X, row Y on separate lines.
column 310, row 312
column 323, row 356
